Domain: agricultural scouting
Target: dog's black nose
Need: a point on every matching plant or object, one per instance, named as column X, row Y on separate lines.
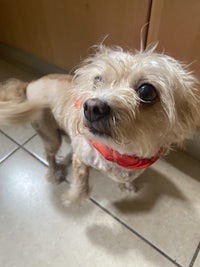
column 95, row 109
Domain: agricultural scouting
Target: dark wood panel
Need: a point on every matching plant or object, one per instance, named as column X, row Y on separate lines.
column 61, row 31
column 175, row 24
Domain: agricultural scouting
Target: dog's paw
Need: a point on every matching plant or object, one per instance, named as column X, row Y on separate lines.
column 57, row 176
column 129, row 187
column 73, row 197
column 68, row 198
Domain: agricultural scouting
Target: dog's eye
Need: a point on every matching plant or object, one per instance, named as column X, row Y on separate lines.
column 98, row 79
column 147, row 92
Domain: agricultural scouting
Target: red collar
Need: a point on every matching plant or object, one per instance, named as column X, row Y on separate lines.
column 124, row 161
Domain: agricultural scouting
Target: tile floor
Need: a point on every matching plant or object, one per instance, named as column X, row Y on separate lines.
column 156, row 227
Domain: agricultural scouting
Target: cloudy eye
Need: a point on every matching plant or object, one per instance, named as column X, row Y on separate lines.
column 98, row 79
column 147, row 92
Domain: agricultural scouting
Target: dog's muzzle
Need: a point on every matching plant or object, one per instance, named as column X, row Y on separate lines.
column 96, row 109
column 97, row 115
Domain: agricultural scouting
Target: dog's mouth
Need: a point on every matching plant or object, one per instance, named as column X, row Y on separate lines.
column 98, row 130
column 95, row 132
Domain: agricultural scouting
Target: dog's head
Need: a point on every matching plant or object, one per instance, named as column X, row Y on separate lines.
column 136, row 103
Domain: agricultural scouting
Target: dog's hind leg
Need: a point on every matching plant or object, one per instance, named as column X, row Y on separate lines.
column 48, row 130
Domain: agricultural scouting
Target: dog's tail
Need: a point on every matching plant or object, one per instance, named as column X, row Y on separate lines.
column 14, row 106
column 19, row 113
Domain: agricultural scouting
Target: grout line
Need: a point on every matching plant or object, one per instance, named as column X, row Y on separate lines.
column 135, row 232
column 29, row 139
column 9, row 154
column 13, row 151
column 21, row 146
column 14, row 141
column 195, row 255
column 34, row 156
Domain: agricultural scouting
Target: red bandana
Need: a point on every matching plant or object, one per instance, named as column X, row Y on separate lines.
column 124, row 161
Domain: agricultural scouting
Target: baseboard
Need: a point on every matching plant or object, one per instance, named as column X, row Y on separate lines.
column 31, row 62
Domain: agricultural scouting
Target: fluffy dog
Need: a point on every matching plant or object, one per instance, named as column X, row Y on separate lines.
column 121, row 110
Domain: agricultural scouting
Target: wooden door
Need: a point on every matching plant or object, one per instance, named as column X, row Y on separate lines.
column 175, row 25
column 61, row 31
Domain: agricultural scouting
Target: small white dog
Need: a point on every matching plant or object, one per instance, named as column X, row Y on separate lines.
column 122, row 111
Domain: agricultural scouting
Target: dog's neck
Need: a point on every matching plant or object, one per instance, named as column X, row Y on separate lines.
column 124, row 161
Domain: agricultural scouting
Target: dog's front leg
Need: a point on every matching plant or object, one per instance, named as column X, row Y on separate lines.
column 79, row 187
column 47, row 129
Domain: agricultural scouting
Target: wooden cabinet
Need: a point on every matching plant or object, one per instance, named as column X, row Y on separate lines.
column 175, row 24
column 61, row 31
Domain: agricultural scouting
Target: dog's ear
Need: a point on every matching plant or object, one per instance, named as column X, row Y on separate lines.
column 188, row 99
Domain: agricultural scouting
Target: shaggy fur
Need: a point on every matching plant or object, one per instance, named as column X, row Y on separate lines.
column 127, row 124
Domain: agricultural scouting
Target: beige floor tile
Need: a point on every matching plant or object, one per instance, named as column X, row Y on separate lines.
column 166, row 211
column 6, row 147
column 35, row 146
column 18, row 133
column 36, row 230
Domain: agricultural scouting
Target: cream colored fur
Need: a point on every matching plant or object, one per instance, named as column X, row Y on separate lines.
column 133, row 127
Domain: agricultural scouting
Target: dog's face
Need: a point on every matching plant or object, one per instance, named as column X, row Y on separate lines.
column 136, row 104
